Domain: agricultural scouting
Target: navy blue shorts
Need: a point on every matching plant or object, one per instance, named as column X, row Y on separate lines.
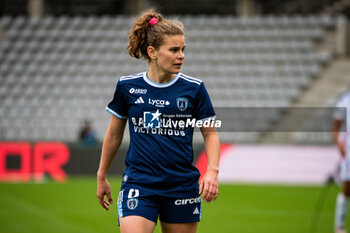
column 169, row 209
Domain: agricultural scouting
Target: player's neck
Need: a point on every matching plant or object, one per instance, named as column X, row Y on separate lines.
column 159, row 76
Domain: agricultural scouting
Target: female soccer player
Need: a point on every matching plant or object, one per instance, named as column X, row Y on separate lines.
column 340, row 119
column 159, row 179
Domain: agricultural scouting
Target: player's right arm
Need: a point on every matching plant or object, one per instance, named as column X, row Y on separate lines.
column 336, row 129
column 111, row 144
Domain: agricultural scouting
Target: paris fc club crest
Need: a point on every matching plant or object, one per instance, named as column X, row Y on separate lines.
column 182, row 103
column 132, row 203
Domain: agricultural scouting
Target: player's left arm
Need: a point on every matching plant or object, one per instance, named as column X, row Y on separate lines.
column 209, row 184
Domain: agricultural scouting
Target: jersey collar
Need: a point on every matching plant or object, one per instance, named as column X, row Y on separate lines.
column 161, row 85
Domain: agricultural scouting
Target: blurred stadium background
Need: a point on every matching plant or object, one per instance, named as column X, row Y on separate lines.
column 60, row 61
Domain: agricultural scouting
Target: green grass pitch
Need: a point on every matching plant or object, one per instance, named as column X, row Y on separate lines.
column 73, row 207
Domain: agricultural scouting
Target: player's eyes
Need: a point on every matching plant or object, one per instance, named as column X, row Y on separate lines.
column 174, row 50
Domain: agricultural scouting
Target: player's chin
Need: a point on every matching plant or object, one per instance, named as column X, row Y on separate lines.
column 176, row 70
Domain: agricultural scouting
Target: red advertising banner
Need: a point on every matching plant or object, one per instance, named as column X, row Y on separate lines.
column 34, row 161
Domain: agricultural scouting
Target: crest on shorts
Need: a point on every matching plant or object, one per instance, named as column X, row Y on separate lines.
column 132, row 203
column 182, row 103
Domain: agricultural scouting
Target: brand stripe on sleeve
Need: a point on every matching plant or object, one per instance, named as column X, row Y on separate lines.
column 189, row 80
column 114, row 113
column 130, row 77
column 192, row 78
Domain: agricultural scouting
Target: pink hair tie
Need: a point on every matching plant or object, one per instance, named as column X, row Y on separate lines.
column 153, row 21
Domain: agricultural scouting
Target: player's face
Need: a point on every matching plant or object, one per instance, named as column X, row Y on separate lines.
column 170, row 55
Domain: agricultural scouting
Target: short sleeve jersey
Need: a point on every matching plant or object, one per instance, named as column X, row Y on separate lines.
column 340, row 114
column 160, row 153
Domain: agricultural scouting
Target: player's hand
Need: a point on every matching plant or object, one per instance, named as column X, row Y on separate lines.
column 104, row 189
column 209, row 185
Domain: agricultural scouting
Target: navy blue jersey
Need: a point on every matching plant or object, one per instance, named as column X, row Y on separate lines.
column 160, row 154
